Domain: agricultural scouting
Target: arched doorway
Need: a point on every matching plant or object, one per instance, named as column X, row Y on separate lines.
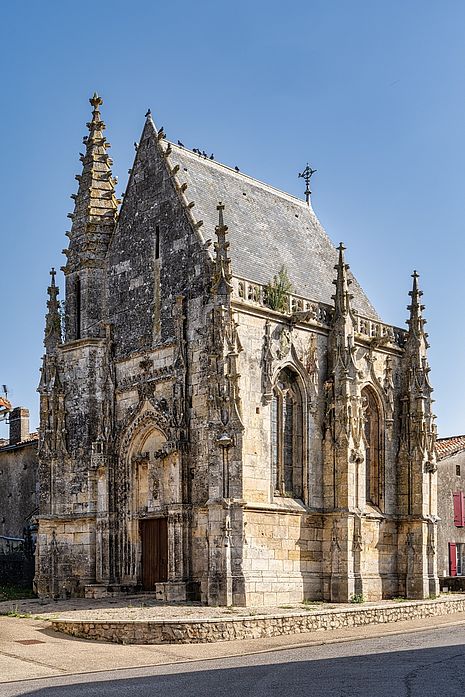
column 152, row 541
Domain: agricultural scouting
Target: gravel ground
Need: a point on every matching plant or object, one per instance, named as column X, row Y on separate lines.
column 145, row 607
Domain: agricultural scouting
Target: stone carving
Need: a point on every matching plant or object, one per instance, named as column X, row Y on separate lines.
column 225, row 399
column 388, row 386
column 267, row 364
column 335, row 550
column 410, row 553
column 285, row 341
column 431, row 467
column 108, row 404
column 180, row 367
column 145, row 386
column 357, row 542
column 312, row 363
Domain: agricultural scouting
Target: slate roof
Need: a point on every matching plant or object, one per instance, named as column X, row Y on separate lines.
column 267, row 229
column 446, row 447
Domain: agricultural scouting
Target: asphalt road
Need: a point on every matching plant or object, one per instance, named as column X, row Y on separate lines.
column 420, row 664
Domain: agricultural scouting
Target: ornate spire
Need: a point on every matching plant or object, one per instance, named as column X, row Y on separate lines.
column 416, row 323
column 341, row 339
column 342, row 296
column 418, row 430
column 95, row 209
column 52, row 336
column 222, row 277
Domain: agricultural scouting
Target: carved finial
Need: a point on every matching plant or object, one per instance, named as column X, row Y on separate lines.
column 96, row 101
column 96, row 206
column 220, row 209
column 222, row 277
column 415, row 321
column 306, row 175
column 342, row 297
column 52, row 321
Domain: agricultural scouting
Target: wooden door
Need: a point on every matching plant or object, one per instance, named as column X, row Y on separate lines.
column 154, row 538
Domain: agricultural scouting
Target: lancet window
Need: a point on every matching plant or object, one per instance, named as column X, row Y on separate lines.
column 286, row 435
column 373, row 447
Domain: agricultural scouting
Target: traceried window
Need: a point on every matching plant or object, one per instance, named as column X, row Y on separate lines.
column 286, row 435
column 373, row 452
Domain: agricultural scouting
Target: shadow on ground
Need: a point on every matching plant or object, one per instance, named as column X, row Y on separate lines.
column 431, row 672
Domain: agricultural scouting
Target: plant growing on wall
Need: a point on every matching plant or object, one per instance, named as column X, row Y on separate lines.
column 277, row 291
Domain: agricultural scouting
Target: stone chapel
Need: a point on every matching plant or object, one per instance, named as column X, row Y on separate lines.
column 210, row 431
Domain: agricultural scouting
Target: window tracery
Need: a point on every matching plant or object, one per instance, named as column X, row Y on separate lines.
column 373, row 449
column 286, row 435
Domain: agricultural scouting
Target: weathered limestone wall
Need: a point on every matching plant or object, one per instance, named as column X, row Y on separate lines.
column 294, row 549
column 158, row 278
column 449, row 482
column 146, row 275
column 282, row 555
column 18, row 487
column 65, row 555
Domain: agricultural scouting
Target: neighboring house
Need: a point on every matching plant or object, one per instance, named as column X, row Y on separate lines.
column 209, row 432
column 451, row 508
column 19, row 499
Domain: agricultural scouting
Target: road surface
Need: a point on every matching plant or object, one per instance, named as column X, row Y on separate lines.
column 427, row 663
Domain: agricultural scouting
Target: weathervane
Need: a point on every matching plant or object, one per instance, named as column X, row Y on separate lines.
column 306, row 176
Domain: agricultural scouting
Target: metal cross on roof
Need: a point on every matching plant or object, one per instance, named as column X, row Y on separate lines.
column 306, row 176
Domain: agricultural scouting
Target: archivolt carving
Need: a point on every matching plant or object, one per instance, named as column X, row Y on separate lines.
column 156, row 414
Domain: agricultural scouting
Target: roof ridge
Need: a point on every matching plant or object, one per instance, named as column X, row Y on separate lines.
column 239, row 174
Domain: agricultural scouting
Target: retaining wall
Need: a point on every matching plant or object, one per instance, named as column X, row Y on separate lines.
column 187, row 631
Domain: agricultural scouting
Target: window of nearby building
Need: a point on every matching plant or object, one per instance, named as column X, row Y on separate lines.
column 456, row 559
column 373, row 456
column 459, row 509
column 286, row 435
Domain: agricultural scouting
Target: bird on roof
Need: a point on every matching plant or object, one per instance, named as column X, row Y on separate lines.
column 148, row 113
column 211, row 157
column 237, row 168
column 136, row 145
column 181, row 145
column 204, row 154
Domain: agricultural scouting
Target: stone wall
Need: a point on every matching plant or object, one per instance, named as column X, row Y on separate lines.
column 449, row 482
column 293, row 547
column 18, row 487
column 191, row 631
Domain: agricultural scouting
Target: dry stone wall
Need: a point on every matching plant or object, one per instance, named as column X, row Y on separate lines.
column 250, row 627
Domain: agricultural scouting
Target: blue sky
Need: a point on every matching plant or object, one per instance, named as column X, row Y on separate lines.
column 371, row 93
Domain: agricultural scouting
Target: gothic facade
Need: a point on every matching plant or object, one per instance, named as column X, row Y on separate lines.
column 210, row 433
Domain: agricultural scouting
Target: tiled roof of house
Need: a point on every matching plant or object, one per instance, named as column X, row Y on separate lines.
column 445, row 447
column 267, row 229
column 32, row 438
